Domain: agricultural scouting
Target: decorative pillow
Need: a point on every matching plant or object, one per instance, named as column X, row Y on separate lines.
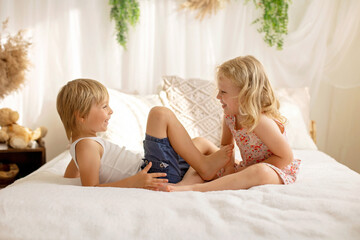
column 194, row 103
column 127, row 125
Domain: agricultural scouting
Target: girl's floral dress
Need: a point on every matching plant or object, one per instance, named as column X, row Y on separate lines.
column 253, row 151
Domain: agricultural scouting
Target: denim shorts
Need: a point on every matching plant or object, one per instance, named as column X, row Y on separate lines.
column 164, row 159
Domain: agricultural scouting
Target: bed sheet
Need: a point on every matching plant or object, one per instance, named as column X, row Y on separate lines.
column 323, row 204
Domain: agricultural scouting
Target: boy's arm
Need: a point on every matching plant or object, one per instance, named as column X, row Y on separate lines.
column 71, row 170
column 143, row 179
column 88, row 155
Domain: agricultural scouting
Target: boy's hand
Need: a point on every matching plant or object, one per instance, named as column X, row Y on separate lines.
column 150, row 181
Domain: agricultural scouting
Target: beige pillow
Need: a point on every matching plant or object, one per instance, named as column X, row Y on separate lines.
column 194, row 103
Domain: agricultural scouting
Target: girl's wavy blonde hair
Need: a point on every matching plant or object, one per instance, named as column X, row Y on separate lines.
column 256, row 95
column 76, row 98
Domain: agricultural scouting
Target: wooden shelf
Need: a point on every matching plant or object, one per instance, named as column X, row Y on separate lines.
column 27, row 159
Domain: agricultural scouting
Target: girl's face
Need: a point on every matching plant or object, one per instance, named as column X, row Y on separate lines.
column 98, row 117
column 228, row 96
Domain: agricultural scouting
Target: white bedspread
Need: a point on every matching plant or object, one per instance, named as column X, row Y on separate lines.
column 323, row 204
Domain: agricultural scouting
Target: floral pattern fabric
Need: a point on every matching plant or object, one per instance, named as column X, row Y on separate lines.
column 253, row 151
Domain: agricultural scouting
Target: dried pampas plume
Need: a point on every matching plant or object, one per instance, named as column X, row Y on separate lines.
column 204, row 7
column 13, row 60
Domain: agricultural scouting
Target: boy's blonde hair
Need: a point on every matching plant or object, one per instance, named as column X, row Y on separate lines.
column 76, row 98
column 256, row 95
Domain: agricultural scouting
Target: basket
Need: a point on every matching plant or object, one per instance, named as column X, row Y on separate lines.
column 8, row 173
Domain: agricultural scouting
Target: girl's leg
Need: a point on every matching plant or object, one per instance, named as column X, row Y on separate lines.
column 191, row 177
column 162, row 123
column 255, row 175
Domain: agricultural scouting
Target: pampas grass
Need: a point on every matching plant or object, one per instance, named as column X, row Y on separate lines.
column 204, row 7
column 14, row 60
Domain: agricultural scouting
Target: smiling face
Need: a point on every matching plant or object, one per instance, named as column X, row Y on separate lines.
column 228, row 95
column 98, row 118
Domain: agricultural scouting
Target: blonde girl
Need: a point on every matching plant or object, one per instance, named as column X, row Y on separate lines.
column 252, row 119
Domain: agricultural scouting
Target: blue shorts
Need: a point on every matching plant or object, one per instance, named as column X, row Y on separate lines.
column 164, row 159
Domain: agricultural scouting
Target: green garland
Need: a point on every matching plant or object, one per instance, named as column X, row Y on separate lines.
column 274, row 20
column 124, row 12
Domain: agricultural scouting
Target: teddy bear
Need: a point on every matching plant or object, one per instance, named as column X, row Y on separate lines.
column 15, row 135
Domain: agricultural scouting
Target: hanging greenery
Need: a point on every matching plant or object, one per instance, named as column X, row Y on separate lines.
column 274, row 20
column 124, row 12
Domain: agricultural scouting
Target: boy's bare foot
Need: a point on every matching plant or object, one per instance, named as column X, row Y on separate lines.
column 219, row 159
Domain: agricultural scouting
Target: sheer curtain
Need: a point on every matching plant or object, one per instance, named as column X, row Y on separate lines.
column 76, row 38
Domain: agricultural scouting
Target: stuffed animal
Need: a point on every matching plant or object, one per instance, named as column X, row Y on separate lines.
column 15, row 135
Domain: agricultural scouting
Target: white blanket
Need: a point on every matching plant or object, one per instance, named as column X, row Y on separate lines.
column 323, row 204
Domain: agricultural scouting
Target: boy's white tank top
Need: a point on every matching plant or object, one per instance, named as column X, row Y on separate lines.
column 116, row 162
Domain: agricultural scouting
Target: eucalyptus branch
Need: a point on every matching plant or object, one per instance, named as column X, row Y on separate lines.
column 274, row 20
column 124, row 12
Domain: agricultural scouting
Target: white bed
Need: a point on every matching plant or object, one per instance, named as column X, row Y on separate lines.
column 323, row 204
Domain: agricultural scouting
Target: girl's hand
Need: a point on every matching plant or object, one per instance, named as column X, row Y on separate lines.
column 150, row 181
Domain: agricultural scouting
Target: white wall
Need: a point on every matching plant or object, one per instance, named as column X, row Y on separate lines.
column 337, row 110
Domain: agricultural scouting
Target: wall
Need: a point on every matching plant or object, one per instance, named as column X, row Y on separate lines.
column 336, row 110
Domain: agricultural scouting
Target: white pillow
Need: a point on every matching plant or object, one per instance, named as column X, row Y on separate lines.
column 194, row 103
column 127, row 125
column 299, row 97
column 294, row 105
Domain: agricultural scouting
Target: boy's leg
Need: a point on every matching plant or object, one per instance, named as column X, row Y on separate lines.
column 205, row 146
column 162, row 123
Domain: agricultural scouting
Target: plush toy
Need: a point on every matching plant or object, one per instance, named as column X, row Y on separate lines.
column 15, row 135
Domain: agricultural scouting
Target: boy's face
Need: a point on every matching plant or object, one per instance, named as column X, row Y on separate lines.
column 98, row 118
column 228, row 96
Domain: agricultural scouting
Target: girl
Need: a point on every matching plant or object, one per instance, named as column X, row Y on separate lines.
column 252, row 118
column 83, row 106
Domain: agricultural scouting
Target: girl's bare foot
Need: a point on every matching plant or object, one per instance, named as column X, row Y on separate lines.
column 180, row 188
column 165, row 187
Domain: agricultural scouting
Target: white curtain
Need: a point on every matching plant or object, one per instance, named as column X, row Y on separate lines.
column 76, row 38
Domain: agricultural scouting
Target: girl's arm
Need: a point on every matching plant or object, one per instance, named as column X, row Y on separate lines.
column 271, row 135
column 227, row 138
column 88, row 155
